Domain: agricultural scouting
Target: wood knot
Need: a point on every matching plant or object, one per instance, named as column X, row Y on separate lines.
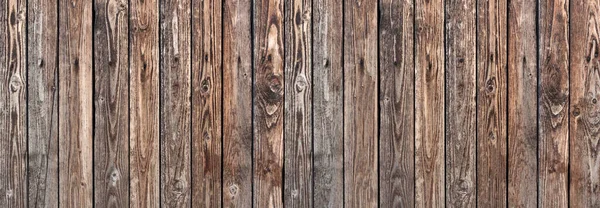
column 594, row 100
column 326, row 63
column 301, row 83
column 233, row 189
column 205, row 86
column 275, row 83
column 490, row 85
column 15, row 83
column 40, row 63
column 576, row 111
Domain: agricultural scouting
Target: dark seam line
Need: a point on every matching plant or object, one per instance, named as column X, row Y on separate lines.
column 569, row 106
column 284, row 99
column 312, row 106
column 445, row 99
column 222, row 97
column 252, row 45
column 160, row 104
column 477, row 102
column 377, row 103
column 414, row 82
column 191, row 101
column 538, row 89
column 343, row 65
column 129, row 100
column 57, row 83
column 507, row 48
column 25, row 40
column 93, row 102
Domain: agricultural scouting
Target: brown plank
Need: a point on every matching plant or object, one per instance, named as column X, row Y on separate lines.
column 429, row 104
column 396, row 129
column 268, row 103
column 327, row 79
column 206, row 103
column 237, row 103
column 360, row 104
column 75, row 104
column 175, row 92
column 553, row 103
column 492, row 103
column 461, row 130
column 144, row 104
column 111, row 101
column 13, row 106
column 584, row 63
column 42, row 103
column 298, row 104
column 522, row 104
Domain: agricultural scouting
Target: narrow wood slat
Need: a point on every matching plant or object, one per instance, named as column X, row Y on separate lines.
column 75, row 104
column 328, row 104
column 42, row 103
column 111, row 101
column 553, row 103
column 522, row 104
column 13, row 105
column 429, row 101
column 268, row 103
column 206, row 103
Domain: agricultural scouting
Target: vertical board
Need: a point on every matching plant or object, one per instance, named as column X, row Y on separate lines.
column 111, row 101
column 42, row 103
column 237, row 103
column 175, row 93
column 13, row 105
column 268, row 103
column 585, row 85
column 429, row 103
column 522, row 104
column 460, row 89
column 206, row 103
column 553, row 103
column 328, row 103
column 360, row 103
column 75, row 104
column 144, row 104
column 397, row 129
column 492, row 103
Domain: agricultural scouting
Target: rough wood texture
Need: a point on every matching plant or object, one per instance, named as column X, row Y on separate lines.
column 429, row 103
column 111, row 101
column 584, row 64
column 492, row 103
column 75, row 104
column 522, row 104
column 460, row 121
column 13, row 104
column 268, row 103
column 144, row 104
column 360, row 103
column 328, row 103
column 237, row 103
column 553, row 103
column 206, row 103
column 42, row 103
column 396, row 128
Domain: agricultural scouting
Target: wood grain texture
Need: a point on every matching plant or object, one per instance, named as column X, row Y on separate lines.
column 144, row 104
column 328, row 106
column 553, row 103
column 175, row 108
column 360, row 104
column 13, row 104
column 584, row 62
column 206, row 103
column 75, row 128
column 42, row 103
column 111, row 101
column 460, row 99
column 492, row 103
column 396, row 100
column 237, row 103
column 268, row 103
column 429, row 104
column 522, row 104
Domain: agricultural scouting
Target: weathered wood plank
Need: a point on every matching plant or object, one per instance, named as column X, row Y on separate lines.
column 42, row 103
column 237, row 103
column 175, row 92
column 328, row 106
column 268, row 103
column 111, row 101
column 206, row 103
column 13, row 105
column 522, row 104
column 396, row 130
column 460, row 121
column 492, row 103
column 585, row 80
column 553, row 103
column 360, row 103
column 429, row 103
column 298, row 104
column 75, row 104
